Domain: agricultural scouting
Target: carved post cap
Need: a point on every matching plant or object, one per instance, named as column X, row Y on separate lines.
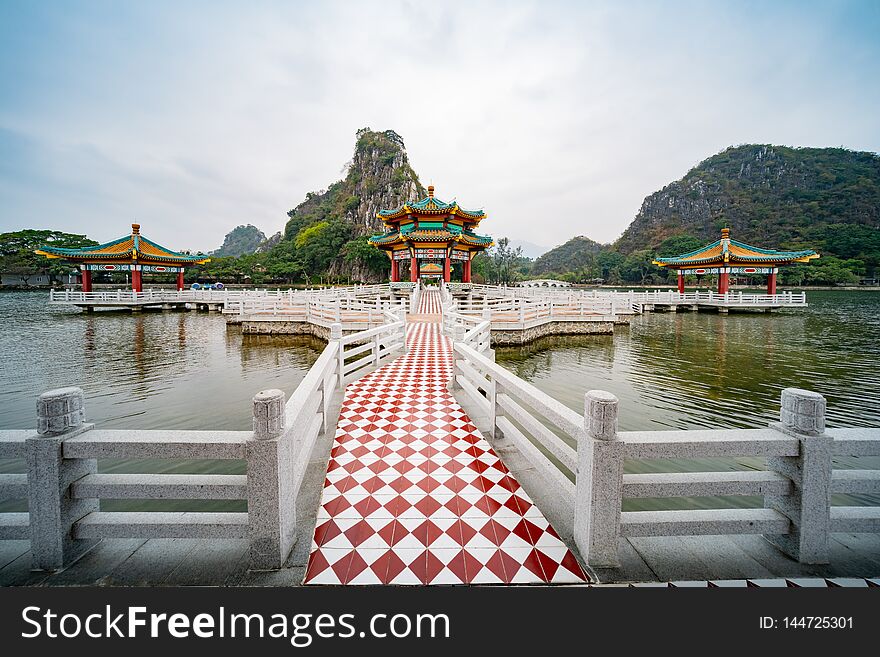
column 600, row 414
column 268, row 414
column 458, row 332
column 487, row 314
column 336, row 331
column 802, row 411
column 60, row 410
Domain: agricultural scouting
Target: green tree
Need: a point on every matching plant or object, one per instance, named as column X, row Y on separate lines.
column 507, row 262
column 608, row 262
column 637, row 267
column 679, row 245
column 17, row 252
column 361, row 253
column 319, row 245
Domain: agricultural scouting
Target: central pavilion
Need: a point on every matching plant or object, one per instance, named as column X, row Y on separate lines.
column 726, row 256
column 430, row 234
column 132, row 253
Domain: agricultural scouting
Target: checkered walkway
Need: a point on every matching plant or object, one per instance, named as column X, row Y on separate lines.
column 429, row 302
column 415, row 495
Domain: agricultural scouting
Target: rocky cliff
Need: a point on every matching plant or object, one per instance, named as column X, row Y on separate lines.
column 574, row 255
column 773, row 196
column 241, row 240
column 379, row 176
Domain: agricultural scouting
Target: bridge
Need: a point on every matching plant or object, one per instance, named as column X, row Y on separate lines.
column 408, row 456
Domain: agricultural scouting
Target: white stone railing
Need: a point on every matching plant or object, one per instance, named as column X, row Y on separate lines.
column 63, row 488
column 415, row 297
column 480, row 295
column 227, row 295
column 157, row 296
column 581, row 460
column 522, row 313
column 351, row 312
column 369, row 348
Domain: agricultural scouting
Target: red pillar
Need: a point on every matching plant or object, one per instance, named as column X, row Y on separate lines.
column 446, row 269
column 136, row 284
column 86, row 280
column 466, row 271
column 680, row 281
column 771, row 283
column 723, row 282
column 180, row 279
column 414, row 270
column 395, row 270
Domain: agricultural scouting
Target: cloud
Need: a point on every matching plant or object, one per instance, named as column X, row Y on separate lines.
column 557, row 118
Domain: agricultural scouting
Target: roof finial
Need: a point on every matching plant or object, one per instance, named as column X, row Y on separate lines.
column 135, row 229
column 725, row 233
column 430, row 191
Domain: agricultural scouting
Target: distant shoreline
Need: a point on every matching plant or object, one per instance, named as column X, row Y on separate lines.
column 239, row 286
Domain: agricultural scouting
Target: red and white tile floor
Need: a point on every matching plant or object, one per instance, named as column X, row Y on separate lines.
column 429, row 302
column 415, row 495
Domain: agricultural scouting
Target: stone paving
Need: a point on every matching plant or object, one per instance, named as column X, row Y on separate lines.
column 414, row 493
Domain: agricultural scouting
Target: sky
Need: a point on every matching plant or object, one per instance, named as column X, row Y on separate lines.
column 557, row 118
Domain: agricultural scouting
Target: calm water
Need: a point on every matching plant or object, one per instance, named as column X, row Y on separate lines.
column 689, row 370
column 181, row 370
column 685, row 370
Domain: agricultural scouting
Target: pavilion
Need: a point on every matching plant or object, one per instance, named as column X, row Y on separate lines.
column 133, row 253
column 726, row 256
column 430, row 234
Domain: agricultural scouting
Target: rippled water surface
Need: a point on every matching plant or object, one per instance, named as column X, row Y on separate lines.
column 171, row 370
column 188, row 371
column 685, row 370
column 180, row 370
column 690, row 370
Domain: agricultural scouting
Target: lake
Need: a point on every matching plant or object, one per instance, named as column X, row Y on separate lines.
column 689, row 370
column 153, row 370
column 187, row 370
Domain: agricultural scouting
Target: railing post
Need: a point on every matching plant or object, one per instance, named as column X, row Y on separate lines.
column 53, row 512
column 402, row 314
column 336, row 336
column 599, row 482
column 802, row 415
column 271, row 497
column 457, row 336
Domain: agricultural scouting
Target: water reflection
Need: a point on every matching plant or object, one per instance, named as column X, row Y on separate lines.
column 151, row 370
column 688, row 370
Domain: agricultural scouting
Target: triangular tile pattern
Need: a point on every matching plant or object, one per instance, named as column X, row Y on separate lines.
column 415, row 495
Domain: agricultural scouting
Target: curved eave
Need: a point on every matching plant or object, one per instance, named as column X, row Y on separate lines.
column 806, row 257
column 386, row 240
column 125, row 256
column 693, row 262
column 151, row 260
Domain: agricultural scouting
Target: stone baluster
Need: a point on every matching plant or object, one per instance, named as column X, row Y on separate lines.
column 53, row 511
column 336, row 336
column 457, row 336
column 808, row 507
column 599, row 481
column 271, row 494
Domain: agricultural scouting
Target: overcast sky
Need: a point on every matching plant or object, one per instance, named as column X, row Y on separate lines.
column 557, row 118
